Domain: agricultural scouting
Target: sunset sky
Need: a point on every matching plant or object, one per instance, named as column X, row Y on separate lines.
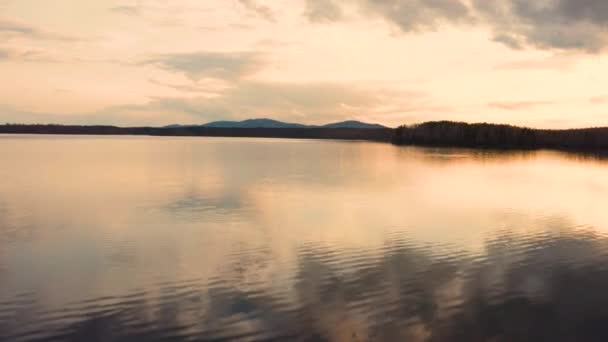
column 156, row 62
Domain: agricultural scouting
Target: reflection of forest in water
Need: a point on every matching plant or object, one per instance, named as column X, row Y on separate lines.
column 549, row 285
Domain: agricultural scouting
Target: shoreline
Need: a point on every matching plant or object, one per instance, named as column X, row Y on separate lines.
column 446, row 134
column 365, row 134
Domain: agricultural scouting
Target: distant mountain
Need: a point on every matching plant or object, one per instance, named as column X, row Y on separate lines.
column 269, row 123
column 254, row 123
column 352, row 124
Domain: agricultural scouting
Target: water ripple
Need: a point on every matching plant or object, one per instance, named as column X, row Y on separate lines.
column 369, row 243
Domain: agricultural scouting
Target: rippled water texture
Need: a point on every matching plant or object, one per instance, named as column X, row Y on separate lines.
column 151, row 238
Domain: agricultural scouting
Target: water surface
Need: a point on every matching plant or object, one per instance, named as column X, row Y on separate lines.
column 168, row 238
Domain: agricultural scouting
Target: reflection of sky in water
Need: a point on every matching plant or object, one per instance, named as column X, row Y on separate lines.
column 199, row 207
column 196, row 237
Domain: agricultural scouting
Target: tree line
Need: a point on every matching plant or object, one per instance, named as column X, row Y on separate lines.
column 460, row 134
column 374, row 134
column 437, row 133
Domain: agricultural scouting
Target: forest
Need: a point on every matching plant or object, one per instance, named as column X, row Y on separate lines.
column 484, row 135
column 374, row 134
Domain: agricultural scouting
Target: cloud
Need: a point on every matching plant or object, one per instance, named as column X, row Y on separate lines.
column 16, row 27
column 261, row 10
column 322, row 11
column 27, row 55
column 408, row 15
column 126, row 10
column 155, row 113
column 518, row 105
column 555, row 24
column 508, row 40
column 309, row 102
column 579, row 25
column 418, row 15
column 12, row 54
column 312, row 103
column 208, row 87
column 13, row 27
column 216, row 65
column 5, row 53
column 11, row 114
column 554, row 62
column 598, row 99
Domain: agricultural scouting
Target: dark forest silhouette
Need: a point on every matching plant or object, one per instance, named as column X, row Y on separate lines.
column 460, row 134
column 376, row 134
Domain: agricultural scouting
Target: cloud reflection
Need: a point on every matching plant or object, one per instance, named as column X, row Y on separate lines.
column 547, row 286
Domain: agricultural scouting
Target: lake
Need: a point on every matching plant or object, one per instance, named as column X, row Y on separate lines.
column 171, row 238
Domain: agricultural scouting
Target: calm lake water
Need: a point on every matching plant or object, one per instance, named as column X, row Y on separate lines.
column 164, row 238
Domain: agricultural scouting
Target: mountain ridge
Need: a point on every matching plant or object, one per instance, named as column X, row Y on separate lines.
column 270, row 123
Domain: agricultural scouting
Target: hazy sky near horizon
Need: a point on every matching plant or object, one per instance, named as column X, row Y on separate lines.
column 537, row 63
